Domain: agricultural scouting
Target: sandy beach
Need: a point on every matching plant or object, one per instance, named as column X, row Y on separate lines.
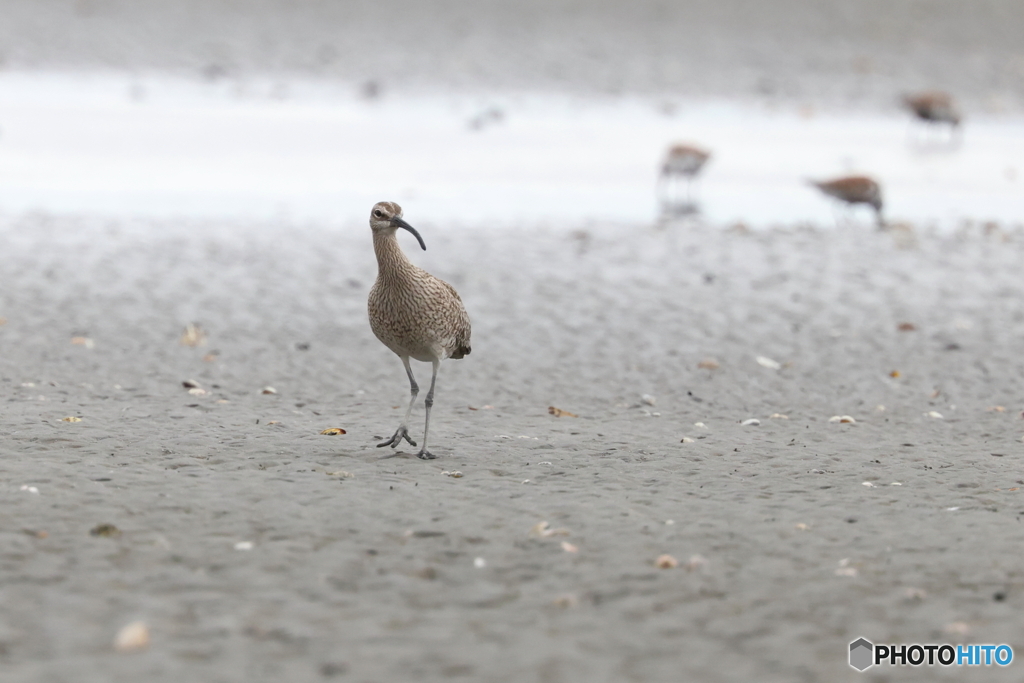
column 712, row 449
column 793, row 537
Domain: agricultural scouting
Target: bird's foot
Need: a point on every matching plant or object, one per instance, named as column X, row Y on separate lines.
column 424, row 454
column 400, row 433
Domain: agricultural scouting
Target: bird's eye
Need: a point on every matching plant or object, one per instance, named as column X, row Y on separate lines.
column 377, row 213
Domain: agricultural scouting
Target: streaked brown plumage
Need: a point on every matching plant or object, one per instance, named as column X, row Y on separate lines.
column 681, row 162
column 413, row 313
column 933, row 106
column 854, row 189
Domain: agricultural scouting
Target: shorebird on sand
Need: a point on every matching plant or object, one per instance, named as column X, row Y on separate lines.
column 412, row 312
column 682, row 162
column 854, row 189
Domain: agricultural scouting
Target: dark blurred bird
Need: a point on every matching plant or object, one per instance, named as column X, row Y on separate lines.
column 682, row 163
column 934, row 108
column 854, row 189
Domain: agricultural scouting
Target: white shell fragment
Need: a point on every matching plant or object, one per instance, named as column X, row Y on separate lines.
column 479, row 562
column 132, row 637
column 544, row 530
column 243, row 545
column 30, row 489
column 569, row 547
column 695, row 562
column 934, row 414
column 767, row 362
column 700, row 425
column 454, row 475
column 752, row 422
column 197, row 391
column 269, row 390
column 648, row 399
column 686, row 439
column 844, row 419
column 778, row 416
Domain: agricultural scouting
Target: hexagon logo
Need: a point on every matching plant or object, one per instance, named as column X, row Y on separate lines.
column 861, row 654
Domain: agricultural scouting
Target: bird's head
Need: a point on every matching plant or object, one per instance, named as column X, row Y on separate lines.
column 386, row 217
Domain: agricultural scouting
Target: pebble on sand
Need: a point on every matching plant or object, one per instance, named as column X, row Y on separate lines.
column 132, row 637
column 648, row 399
column 105, row 531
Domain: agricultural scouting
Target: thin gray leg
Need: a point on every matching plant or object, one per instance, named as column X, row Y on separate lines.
column 403, row 431
column 429, row 402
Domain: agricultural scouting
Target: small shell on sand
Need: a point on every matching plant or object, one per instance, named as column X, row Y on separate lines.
column 800, row 526
column 708, row 364
column 332, row 431
column 765, row 361
column 190, row 384
column 666, row 562
column 454, row 475
column 479, row 562
column 243, row 545
column 269, row 390
column 558, row 412
column 933, row 414
column 569, row 547
column 752, row 422
column 686, row 439
column 196, row 391
column 83, row 341
column 648, row 399
column 71, row 418
column 132, row 637
column 844, row 419
column 700, row 425
column 778, row 416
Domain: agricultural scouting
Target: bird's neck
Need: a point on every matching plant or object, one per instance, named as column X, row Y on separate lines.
column 391, row 260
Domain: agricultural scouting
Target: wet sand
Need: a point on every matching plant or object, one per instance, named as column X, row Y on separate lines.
column 363, row 563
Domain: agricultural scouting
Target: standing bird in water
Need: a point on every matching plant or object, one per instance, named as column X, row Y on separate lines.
column 854, row 189
column 935, row 108
column 412, row 312
column 682, row 162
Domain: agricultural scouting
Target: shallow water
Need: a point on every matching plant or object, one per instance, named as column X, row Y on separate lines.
column 161, row 146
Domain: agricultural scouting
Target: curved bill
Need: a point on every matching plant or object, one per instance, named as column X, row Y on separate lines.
column 399, row 223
